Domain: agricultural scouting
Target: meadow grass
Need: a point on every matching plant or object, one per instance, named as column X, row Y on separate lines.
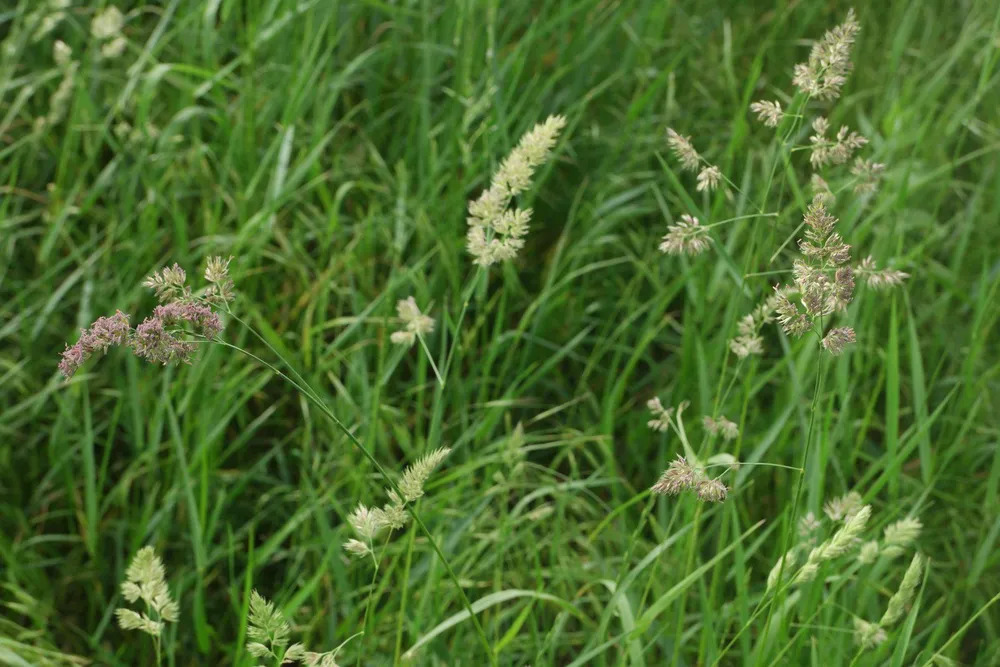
column 332, row 147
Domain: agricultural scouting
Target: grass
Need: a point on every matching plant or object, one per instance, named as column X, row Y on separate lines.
column 331, row 147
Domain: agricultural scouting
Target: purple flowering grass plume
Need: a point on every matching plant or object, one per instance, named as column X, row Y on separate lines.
column 105, row 332
column 162, row 337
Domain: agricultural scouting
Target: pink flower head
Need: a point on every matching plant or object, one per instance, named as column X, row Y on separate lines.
column 155, row 343
column 102, row 334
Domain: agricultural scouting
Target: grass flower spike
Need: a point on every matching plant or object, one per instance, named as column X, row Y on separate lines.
column 683, row 150
column 145, row 579
column 721, row 425
column 368, row 523
column 708, row 179
column 268, row 632
column 904, row 594
column 661, row 415
column 837, row 150
column 768, row 112
column 415, row 476
column 496, row 232
column 687, row 237
column 822, row 280
column 161, row 338
column 107, row 23
column 415, row 323
column 868, row 635
column 842, row 541
column 900, row 536
column 844, row 507
column 683, row 476
column 879, row 278
column 104, row 333
column 825, row 73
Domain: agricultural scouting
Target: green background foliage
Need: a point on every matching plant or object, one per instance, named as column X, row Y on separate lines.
column 331, row 148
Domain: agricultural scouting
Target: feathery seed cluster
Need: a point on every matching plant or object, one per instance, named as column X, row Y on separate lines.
column 415, row 322
column 709, row 176
column 768, row 112
column 843, row 507
column 825, row 73
column 870, row 635
column 496, row 232
column 837, row 150
column 145, row 579
column 824, row 252
column 106, row 27
column 686, row 237
column 748, row 340
column 721, row 426
column 269, row 633
column 682, row 476
column 369, row 522
column 879, row 278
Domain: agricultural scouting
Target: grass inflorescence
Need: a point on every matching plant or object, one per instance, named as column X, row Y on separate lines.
column 499, row 333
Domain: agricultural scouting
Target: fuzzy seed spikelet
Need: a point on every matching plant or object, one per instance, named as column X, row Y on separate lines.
column 686, row 237
column 879, row 278
column 267, row 629
column 682, row 476
column 833, row 151
column 366, row 522
column 107, row 23
column 661, row 415
column 411, row 485
column 415, row 323
column 220, row 285
column 825, row 73
column 708, row 179
column 868, row 174
column 837, row 339
column 824, row 252
column 785, row 563
column 868, row 635
column 711, row 490
column 904, row 595
column 356, row 548
column 842, row 541
column 496, row 234
column 61, row 53
column 168, row 283
column 846, row 538
column 721, row 426
column 749, row 340
column 794, row 322
column 843, row 507
column 768, row 112
column 808, row 525
column 900, row 536
column 145, row 579
column 868, row 553
column 683, row 150
column 104, row 333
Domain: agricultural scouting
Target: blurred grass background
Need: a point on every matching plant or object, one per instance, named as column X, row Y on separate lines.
column 331, row 148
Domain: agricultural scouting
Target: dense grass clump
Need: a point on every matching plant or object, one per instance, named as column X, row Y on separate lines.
column 559, row 333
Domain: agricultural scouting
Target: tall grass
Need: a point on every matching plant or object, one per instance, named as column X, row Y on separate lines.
column 332, row 149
